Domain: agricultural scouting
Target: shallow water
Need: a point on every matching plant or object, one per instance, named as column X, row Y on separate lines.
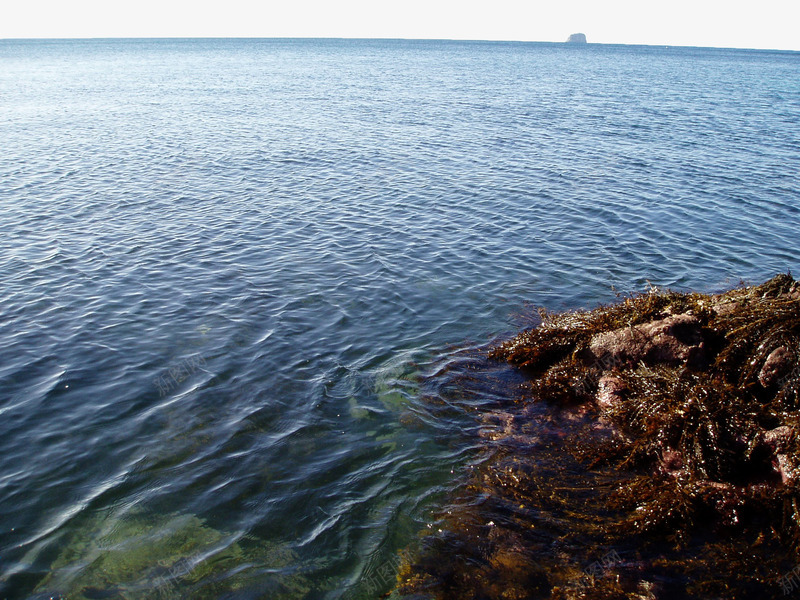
column 232, row 270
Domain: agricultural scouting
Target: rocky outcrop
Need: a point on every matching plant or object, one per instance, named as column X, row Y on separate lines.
column 577, row 38
column 778, row 364
column 610, row 391
column 661, row 432
column 688, row 377
column 675, row 339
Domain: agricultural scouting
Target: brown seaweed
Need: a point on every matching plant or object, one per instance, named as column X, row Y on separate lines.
column 661, row 431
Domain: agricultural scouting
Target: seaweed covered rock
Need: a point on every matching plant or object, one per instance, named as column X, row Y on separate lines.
column 777, row 365
column 674, row 339
column 662, row 430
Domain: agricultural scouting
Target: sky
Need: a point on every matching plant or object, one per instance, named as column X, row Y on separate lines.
column 768, row 24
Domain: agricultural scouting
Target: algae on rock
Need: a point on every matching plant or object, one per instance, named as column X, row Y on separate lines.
column 142, row 555
column 663, row 430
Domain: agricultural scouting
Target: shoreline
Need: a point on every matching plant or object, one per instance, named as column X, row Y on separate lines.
column 652, row 452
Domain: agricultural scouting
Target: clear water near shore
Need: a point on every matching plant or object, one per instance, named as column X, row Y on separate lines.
column 228, row 264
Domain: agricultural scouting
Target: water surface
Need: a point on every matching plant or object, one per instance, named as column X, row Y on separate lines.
column 229, row 265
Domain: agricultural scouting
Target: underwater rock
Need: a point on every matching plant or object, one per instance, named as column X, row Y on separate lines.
column 520, row 431
column 136, row 554
column 675, row 339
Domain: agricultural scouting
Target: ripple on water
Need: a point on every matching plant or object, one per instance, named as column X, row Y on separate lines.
column 238, row 281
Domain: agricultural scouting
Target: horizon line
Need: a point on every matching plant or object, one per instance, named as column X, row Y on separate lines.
column 405, row 39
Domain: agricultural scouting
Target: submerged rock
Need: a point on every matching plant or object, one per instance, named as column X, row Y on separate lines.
column 145, row 555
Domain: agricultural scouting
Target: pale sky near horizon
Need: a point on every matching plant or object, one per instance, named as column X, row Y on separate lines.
column 770, row 24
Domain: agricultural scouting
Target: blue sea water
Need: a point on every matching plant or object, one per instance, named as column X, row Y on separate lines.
column 230, row 266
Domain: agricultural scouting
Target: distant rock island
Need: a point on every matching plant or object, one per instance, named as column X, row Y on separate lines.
column 577, row 38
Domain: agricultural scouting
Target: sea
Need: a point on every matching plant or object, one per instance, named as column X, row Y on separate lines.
column 236, row 276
